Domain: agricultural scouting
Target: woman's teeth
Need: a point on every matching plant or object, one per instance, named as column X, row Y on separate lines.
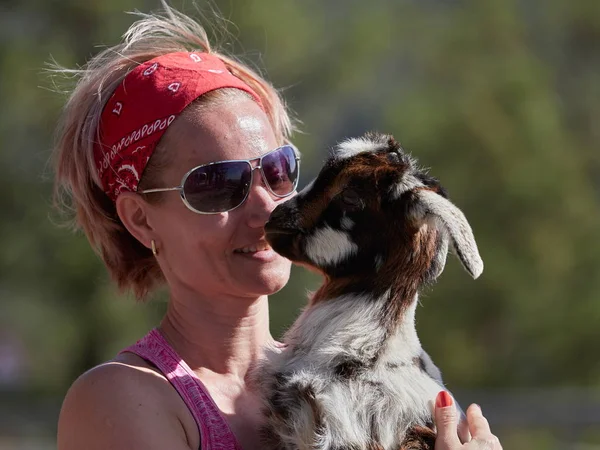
column 252, row 249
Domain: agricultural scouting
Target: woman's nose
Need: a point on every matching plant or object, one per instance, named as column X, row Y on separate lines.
column 260, row 201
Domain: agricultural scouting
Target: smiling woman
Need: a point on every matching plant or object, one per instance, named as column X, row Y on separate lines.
column 176, row 120
column 173, row 157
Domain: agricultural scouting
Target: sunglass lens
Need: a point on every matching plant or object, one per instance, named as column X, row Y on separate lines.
column 281, row 170
column 218, row 187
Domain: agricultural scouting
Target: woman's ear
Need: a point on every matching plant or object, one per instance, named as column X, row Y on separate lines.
column 133, row 212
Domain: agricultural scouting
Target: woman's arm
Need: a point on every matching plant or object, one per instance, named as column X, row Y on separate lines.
column 447, row 437
column 116, row 406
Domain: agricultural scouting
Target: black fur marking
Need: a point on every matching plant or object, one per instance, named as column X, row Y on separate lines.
column 420, row 363
column 349, row 369
column 280, row 404
column 378, row 385
column 395, row 365
column 432, row 182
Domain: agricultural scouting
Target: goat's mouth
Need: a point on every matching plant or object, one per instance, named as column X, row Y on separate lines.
column 283, row 240
column 275, row 231
column 274, row 228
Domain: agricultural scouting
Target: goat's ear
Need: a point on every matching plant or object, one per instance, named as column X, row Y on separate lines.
column 458, row 228
column 441, row 252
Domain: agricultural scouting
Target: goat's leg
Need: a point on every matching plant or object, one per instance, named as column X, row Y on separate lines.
column 418, row 438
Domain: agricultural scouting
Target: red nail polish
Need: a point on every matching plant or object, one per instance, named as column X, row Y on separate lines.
column 443, row 400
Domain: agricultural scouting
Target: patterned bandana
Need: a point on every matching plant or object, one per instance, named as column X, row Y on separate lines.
column 143, row 106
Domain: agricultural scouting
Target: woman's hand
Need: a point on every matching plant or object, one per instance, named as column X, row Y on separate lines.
column 446, row 423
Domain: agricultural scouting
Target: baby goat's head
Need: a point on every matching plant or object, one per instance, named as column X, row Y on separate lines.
column 372, row 212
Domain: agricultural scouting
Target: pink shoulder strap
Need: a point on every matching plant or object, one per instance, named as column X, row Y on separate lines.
column 215, row 433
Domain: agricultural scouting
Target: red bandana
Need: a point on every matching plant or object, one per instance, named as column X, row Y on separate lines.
column 142, row 107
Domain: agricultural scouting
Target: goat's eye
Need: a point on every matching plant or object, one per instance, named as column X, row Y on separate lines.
column 352, row 199
column 393, row 158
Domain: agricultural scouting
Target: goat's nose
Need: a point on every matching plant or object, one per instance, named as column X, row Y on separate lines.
column 279, row 213
column 284, row 216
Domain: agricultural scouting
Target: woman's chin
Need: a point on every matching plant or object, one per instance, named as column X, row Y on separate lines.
column 269, row 279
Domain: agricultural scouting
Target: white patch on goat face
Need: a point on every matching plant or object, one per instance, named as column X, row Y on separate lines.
column 408, row 183
column 355, row 146
column 347, row 223
column 328, row 246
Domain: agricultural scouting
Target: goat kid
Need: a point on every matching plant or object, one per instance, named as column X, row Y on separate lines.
column 353, row 374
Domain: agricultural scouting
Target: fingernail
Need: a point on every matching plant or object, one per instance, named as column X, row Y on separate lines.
column 478, row 407
column 443, row 400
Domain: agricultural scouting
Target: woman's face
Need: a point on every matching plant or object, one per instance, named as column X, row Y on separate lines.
column 202, row 253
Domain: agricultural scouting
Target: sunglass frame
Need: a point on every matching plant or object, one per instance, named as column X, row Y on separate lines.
column 252, row 169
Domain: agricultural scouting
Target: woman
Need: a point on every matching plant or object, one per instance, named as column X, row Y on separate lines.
column 174, row 156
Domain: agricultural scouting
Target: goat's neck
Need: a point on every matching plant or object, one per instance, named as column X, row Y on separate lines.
column 370, row 315
column 394, row 288
column 368, row 310
column 363, row 326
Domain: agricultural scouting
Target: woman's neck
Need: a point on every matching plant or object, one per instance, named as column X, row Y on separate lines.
column 222, row 336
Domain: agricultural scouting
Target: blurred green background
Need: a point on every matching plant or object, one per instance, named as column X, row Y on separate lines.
column 501, row 98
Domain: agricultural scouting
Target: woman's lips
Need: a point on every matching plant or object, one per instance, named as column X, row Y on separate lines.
column 259, row 252
column 253, row 248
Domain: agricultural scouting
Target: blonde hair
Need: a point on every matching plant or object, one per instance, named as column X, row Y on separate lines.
column 77, row 186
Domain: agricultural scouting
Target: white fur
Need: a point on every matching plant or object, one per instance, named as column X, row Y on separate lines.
column 405, row 344
column 408, row 183
column 328, row 246
column 350, row 326
column 354, row 146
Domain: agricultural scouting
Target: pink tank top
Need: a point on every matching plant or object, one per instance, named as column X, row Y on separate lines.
column 215, row 433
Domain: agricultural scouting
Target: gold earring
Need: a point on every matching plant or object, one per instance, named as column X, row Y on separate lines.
column 154, row 251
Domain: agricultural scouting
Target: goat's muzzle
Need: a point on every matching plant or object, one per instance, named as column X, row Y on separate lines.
column 282, row 231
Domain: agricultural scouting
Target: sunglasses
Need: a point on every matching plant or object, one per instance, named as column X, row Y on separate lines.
column 222, row 186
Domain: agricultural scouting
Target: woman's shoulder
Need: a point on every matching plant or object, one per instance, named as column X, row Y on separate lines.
column 123, row 378
column 126, row 373
column 125, row 403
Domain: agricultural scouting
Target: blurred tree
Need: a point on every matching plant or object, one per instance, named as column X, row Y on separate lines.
column 488, row 115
